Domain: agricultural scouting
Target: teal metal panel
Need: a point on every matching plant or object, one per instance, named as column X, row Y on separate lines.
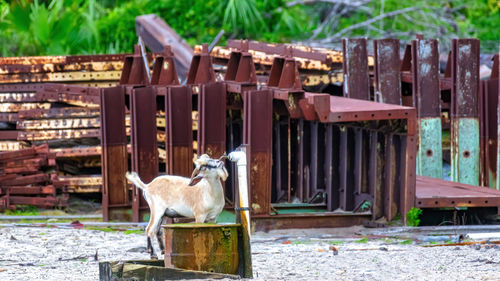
column 465, row 155
column 430, row 155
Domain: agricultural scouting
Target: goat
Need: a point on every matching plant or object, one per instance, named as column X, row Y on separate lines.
column 179, row 196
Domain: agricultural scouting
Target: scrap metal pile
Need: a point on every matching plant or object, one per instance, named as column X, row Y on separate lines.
column 28, row 177
column 343, row 132
column 35, row 111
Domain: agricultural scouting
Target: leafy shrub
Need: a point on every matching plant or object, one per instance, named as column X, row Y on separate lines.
column 412, row 217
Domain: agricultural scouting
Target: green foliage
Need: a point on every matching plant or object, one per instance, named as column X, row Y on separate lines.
column 22, row 210
column 135, row 231
column 481, row 20
column 362, row 240
column 412, row 217
column 406, row 242
column 336, row 243
column 57, row 27
column 105, row 229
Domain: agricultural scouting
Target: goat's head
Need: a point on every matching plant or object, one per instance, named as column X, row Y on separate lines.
column 205, row 167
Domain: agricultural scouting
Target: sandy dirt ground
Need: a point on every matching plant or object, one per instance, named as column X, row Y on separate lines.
column 28, row 253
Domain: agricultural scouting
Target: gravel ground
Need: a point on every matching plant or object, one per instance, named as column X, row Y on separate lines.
column 28, row 253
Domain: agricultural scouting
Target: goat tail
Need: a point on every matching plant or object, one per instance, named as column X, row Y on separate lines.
column 134, row 178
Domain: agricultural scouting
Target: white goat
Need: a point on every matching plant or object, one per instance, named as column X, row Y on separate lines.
column 179, row 196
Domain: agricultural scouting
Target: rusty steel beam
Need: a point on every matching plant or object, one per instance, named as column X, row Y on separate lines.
column 355, row 66
column 30, row 190
column 465, row 131
column 257, row 133
column 51, row 67
column 69, row 123
column 212, row 119
column 38, row 60
column 115, row 197
column 178, row 129
column 63, row 112
column 60, row 77
column 387, row 75
column 16, row 107
column 26, row 180
column 57, row 134
column 427, row 100
column 144, row 145
column 157, row 35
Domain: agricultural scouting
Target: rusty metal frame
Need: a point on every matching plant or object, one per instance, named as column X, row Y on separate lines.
column 115, row 193
column 144, row 158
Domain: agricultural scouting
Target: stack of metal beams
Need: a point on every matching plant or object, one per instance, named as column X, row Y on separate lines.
column 27, row 177
column 34, row 110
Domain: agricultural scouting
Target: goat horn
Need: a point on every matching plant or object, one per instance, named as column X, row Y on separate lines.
column 194, row 176
column 224, row 156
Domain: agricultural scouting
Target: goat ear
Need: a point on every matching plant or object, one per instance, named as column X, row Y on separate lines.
column 222, row 173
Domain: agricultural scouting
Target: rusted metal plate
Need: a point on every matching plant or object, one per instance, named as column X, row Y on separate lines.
column 179, row 133
column 427, row 97
column 134, row 71
column 434, row 193
column 317, row 220
column 144, row 158
column 465, row 111
column 164, row 72
column 386, row 69
column 355, row 65
column 257, row 133
column 212, row 119
column 114, row 153
column 201, row 69
column 349, row 110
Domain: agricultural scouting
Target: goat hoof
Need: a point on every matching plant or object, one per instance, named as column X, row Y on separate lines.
column 163, row 252
column 154, row 257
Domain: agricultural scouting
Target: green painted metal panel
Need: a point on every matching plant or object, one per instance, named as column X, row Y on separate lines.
column 465, row 155
column 430, row 154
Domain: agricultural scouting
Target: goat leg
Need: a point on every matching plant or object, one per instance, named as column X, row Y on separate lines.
column 158, row 236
